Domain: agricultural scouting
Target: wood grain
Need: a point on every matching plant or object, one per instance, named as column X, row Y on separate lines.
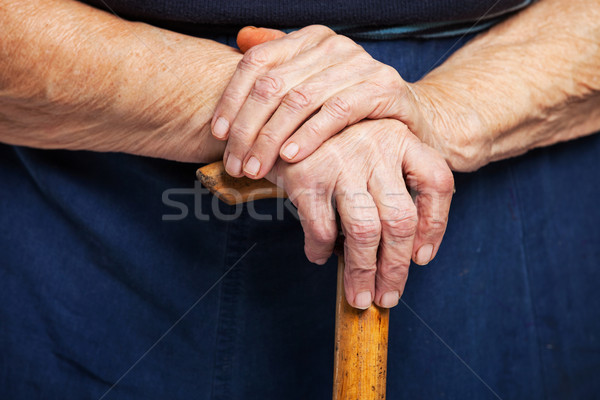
column 361, row 343
column 236, row 190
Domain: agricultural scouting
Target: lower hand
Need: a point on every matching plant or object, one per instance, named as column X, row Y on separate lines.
column 365, row 171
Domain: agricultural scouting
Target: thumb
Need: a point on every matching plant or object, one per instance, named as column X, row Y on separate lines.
column 250, row 36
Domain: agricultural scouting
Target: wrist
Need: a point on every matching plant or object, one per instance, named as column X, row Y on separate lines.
column 452, row 125
column 183, row 79
column 511, row 89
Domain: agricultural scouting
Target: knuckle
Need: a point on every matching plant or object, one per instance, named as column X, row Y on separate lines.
column 297, row 99
column 321, row 29
column 238, row 132
column 267, row 86
column 364, row 232
column 317, row 30
column 361, row 273
column 311, row 129
column 393, row 274
column 255, row 58
column 340, row 42
column 436, row 225
column 433, row 229
column 403, row 223
column 269, row 139
column 347, row 42
column 338, row 108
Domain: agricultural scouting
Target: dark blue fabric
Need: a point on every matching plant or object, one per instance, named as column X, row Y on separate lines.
column 91, row 277
column 195, row 14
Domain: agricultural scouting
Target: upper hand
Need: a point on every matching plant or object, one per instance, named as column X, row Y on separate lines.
column 291, row 94
column 364, row 173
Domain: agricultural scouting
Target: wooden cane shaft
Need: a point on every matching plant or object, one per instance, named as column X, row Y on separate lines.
column 361, row 343
column 361, row 337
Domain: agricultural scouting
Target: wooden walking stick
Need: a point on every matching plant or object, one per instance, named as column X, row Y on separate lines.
column 361, row 337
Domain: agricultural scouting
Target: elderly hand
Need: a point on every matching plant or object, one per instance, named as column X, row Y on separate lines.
column 365, row 171
column 309, row 84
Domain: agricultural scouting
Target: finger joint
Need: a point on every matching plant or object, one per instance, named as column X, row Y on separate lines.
column 266, row 87
column 402, row 224
column 364, row 233
column 297, row 99
column 254, row 59
column 338, row 108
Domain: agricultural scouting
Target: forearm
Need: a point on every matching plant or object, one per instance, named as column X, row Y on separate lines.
column 531, row 81
column 74, row 77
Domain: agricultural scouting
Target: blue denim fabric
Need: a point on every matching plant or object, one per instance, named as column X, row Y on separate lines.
column 92, row 277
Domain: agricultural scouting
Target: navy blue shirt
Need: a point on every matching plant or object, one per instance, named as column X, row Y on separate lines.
column 346, row 15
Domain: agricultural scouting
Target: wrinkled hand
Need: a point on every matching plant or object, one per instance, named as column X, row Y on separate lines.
column 291, row 94
column 365, row 172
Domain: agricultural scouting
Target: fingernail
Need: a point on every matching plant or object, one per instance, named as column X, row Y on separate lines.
column 363, row 300
column 252, row 166
column 290, row 150
column 390, row 299
column 321, row 261
column 424, row 254
column 233, row 166
column 221, row 127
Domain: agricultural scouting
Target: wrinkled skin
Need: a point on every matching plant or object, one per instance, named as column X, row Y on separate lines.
column 267, row 108
column 365, row 171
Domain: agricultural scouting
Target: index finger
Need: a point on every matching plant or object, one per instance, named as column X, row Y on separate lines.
column 258, row 60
